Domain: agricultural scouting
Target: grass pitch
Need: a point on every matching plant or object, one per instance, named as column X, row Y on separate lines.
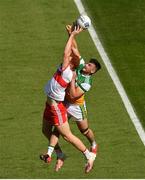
column 32, row 39
column 120, row 25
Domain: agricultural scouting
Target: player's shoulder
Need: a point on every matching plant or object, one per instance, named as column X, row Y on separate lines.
column 85, row 86
column 67, row 73
column 81, row 65
column 82, row 61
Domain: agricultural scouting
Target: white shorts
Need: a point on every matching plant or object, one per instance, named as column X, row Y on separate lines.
column 79, row 112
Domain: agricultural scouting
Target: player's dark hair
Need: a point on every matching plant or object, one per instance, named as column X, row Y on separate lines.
column 97, row 64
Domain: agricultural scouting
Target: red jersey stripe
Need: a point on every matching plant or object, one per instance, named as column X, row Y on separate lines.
column 57, row 76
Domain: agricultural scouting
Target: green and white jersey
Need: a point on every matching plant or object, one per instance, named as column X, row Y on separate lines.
column 82, row 80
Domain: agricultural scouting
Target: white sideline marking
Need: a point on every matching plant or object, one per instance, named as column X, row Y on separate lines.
column 114, row 76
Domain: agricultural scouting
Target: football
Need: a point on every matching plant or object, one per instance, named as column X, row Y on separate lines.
column 83, row 21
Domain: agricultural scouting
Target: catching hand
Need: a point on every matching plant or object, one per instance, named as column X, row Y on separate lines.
column 69, row 28
column 77, row 30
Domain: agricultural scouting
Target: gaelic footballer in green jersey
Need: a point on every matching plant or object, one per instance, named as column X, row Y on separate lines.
column 76, row 107
column 83, row 80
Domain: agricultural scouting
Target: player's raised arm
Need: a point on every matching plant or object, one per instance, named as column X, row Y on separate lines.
column 75, row 50
column 69, row 29
column 68, row 48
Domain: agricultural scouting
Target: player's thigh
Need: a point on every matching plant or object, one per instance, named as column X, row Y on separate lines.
column 64, row 129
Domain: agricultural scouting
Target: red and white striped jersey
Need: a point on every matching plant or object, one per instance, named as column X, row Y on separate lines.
column 56, row 87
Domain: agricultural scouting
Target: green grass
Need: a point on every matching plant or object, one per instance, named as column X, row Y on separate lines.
column 120, row 24
column 32, row 39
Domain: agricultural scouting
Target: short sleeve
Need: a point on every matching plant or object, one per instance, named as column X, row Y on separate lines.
column 67, row 74
column 82, row 61
column 85, row 86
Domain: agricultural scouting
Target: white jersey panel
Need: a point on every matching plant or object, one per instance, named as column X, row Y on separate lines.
column 82, row 61
column 86, row 86
column 55, row 88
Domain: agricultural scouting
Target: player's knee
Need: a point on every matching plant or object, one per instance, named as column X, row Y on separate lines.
column 67, row 137
column 85, row 131
column 45, row 131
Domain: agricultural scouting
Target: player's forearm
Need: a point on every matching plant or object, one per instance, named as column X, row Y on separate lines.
column 74, row 48
column 74, row 44
column 76, row 53
column 67, row 50
column 73, row 91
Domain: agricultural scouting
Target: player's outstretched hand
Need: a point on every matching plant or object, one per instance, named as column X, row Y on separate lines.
column 69, row 28
column 77, row 30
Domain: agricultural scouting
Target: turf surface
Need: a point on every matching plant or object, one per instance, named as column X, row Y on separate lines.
column 120, row 25
column 32, row 39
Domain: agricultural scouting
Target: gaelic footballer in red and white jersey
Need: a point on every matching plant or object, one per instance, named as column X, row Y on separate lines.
column 57, row 85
